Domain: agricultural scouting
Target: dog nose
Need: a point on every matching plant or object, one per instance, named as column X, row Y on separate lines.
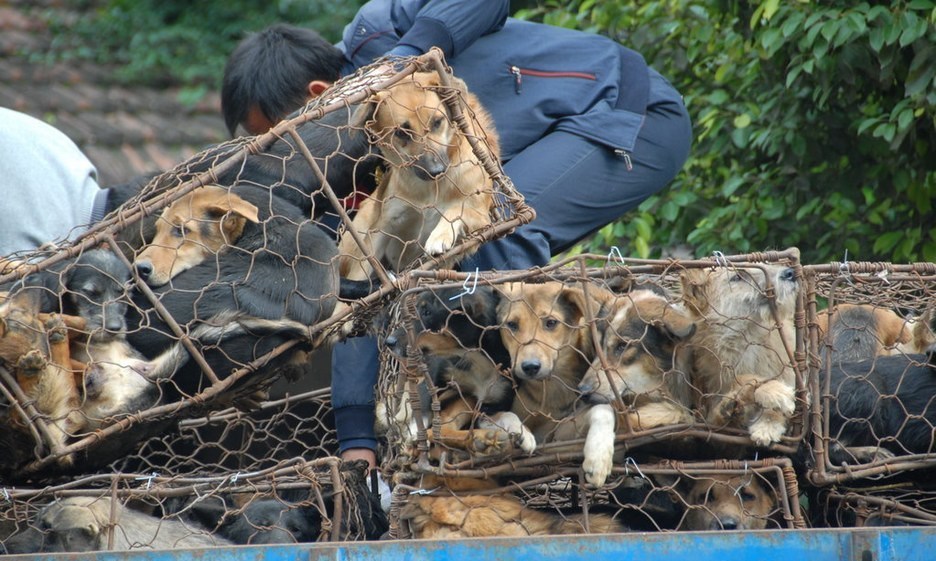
column 531, row 367
column 586, row 387
column 144, row 269
column 391, row 341
column 788, row 274
column 728, row 523
column 114, row 323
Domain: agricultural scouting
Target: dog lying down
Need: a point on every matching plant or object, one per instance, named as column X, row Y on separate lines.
column 236, row 251
column 82, row 524
column 857, row 332
column 728, row 502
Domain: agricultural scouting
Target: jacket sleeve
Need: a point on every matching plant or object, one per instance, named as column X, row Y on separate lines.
column 451, row 25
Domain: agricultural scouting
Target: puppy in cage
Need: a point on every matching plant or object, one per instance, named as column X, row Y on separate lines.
column 435, row 190
column 646, row 368
column 742, row 346
column 85, row 524
column 728, row 502
column 457, row 335
column 857, row 332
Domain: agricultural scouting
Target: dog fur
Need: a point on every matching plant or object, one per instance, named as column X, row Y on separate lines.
column 643, row 339
column 729, row 502
column 862, row 331
column 435, row 190
column 550, row 345
column 740, row 361
column 82, row 524
column 487, row 515
column 459, row 340
column 281, row 268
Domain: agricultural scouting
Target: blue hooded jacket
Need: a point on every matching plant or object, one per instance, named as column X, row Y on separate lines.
column 532, row 78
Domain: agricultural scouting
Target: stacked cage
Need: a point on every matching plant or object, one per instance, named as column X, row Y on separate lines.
column 596, row 395
column 137, row 359
column 871, row 340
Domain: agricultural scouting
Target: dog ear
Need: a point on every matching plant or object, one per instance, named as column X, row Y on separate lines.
column 242, row 208
column 676, row 323
column 693, row 290
column 363, row 117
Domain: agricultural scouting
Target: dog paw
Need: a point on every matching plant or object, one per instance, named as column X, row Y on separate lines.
column 441, row 239
column 490, row 442
column 31, row 362
column 512, row 425
column 776, row 395
column 56, row 329
column 599, row 445
column 765, row 432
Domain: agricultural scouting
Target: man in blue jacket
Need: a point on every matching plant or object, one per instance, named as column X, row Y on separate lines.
column 587, row 130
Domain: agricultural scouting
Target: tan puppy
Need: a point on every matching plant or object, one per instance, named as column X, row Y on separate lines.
column 643, row 340
column 863, row 331
column 550, row 345
column 477, row 516
column 729, row 502
column 740, row 361
column 37, row 354
column 195, row 227
column 435, row 190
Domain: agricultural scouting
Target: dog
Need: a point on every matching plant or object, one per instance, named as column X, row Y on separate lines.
column 643, row 338
column 434, row 191
column 458, row 337
column 740, row 361
column 470, row 515
column 861, row 331
column 729, row 502
column 881, row 407
column 83, row 524
column 279, row 268
column 544, row 329
column 36, row 353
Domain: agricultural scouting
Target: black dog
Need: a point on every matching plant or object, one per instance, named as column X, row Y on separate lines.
column 883, row 407
column 279, row 268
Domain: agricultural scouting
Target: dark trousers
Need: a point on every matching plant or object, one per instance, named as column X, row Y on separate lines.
column 576, row 186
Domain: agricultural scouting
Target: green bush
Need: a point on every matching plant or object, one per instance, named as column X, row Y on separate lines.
column 161, row 42
column 815, row 124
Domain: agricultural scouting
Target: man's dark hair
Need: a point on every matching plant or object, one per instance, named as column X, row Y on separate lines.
column 271, row 69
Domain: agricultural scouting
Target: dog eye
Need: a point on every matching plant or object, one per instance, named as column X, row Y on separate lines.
column 179, row 231
column 739, row 276
column 512, row 325
column 746, row 495
column 402, row 135
column 436, row 123
column 620, row 347
column 550, row 323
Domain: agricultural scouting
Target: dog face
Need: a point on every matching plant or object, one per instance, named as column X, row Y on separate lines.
column 741, row 293
column 190, row 230
column 640, row 340
column 95, row 290
column 543, row 327
column 411, row 125
column 729, row 502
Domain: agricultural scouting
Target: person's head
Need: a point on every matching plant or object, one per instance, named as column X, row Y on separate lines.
column 274, row 72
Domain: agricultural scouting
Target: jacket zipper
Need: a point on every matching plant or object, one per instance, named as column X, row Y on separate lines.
column 519, row 73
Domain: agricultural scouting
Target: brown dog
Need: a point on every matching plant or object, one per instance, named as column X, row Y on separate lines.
column 193, row 228
column 862, row 331
column 476, row 516
column 435, row 190
column 740, row 357
column 550, row 345
column 729, row 502
column 648, row 364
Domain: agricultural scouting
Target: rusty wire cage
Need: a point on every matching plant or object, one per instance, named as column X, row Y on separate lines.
column 661, row 496
column 290, row 501
column 904, row 503
column 445, row 328
column 233, row 264
column 871, row 411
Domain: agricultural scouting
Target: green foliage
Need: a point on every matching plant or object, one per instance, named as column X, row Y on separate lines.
column 815, row 124
column 160, row 42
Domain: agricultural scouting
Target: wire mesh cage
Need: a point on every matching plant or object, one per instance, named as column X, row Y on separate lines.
column 289, row 502
column 871, row 339
column 578, row 367
column 218, row 277
column 876, row 503
column 663, row 496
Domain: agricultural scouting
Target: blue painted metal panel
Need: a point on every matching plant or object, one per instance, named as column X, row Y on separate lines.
column 891, row 544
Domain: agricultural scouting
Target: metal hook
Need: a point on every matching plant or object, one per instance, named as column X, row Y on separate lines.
column 615, row 255
column 632, row 461
column 148, row 478
column 465, row 290
column 720, row 259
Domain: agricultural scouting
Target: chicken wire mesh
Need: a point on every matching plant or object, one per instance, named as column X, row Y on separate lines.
column 661, row 496
column 577, row 365
column 871, row 340
column 221, row 275
column 876, row 503
column 290, row 502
